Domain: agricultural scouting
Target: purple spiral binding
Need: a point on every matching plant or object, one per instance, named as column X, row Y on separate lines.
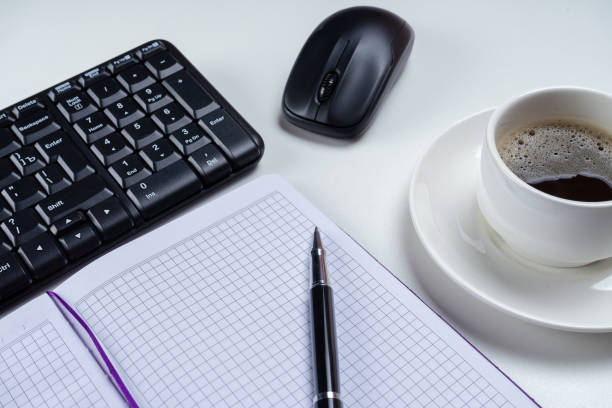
column 111, row 369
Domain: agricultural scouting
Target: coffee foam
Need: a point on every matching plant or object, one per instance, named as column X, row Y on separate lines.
column 557, row 149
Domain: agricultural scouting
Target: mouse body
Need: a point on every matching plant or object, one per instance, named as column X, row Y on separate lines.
column 343, row 69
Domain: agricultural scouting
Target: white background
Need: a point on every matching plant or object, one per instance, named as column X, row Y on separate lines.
column 467, row 56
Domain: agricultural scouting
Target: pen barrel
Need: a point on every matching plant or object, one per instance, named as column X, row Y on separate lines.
column 324, row 348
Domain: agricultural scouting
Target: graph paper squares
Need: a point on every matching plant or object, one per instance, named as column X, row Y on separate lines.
column 38, row 370
column 221, row 319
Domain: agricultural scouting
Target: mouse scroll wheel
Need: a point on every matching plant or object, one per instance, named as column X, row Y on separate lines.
column 330, row 80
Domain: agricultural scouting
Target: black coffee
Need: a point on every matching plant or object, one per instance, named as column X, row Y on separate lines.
column 578, row 188
column 566, row 159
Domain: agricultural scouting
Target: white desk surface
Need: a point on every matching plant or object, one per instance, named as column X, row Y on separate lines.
column 467, row 56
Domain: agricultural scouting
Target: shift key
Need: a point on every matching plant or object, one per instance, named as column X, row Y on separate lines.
column 81, row 195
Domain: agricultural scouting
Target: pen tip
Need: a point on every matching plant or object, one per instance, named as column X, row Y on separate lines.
column 317, row 239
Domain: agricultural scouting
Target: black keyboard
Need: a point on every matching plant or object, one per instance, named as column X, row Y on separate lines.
column 101, row 157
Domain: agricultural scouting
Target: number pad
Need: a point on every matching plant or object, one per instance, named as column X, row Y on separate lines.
column 153, row 97
column 110, row 149
column 106, row 92
column 170, row 118
column 123, row 112
column 129, row 171
column 93, row 127
column 159, row 154
column 135, row 78
column 141, row 133
column 189, row 139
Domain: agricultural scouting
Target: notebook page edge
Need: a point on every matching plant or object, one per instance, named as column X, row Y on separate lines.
column 41, row 314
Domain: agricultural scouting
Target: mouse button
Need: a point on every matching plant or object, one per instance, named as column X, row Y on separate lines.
column 359, row 84
column 307, row 74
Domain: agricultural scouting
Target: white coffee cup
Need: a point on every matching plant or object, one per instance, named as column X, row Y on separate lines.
column 539, row 226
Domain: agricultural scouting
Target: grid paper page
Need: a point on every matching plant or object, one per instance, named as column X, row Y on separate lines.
column 38, row 370
column 221, row 319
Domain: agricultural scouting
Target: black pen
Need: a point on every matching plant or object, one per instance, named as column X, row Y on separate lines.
column 324, row 347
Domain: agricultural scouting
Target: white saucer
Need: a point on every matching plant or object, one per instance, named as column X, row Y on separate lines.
column 449, row 224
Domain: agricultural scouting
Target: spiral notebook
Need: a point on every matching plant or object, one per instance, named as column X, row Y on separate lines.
column 211, row 310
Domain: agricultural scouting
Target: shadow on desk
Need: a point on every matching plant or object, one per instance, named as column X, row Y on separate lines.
column 484, row 324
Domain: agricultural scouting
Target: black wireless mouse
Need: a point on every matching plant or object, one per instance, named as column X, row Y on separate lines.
column 343, row 70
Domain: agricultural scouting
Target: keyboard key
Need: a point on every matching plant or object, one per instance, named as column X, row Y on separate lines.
column 22, row 226
column 190, row 94
column 123, row 112
column 42, row 256
column 79, row 241
column 5, row 212
column 164, row 189
column 67, row 222
column 52, row 178
column 59, row 148
column 162, row 65
column 110, row 218
column 122, row 62
column 8, row 174
column 92, row 76
column 5, row 119
column 51, row 146
column 106, row 92
column 62, row 89
column 27, row 160
column 170, row 118
column 135, row 78
column 153, row 97
column 23, row 193
column 75, row 106
column 35, row 126
column 128, row 171
column 5, row 246
column 74, row 164
column 27, row 107
column 110, row 149
column 80, row 196
column 8, row 142
column 210, row 164
column 94, row 127
column 150, row 49
column 230, row 137
column 159, row 154
column 189, row 139
column 13, row 276
column 141, row 133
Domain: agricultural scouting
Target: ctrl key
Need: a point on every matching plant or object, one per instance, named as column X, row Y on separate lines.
column 13, row 276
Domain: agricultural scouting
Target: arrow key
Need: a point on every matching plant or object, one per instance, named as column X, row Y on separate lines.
column 67, row 222
column 110, row 218
column 79, row 240
column 42, row 256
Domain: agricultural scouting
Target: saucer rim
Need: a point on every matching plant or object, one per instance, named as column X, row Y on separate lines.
column 447, row 268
